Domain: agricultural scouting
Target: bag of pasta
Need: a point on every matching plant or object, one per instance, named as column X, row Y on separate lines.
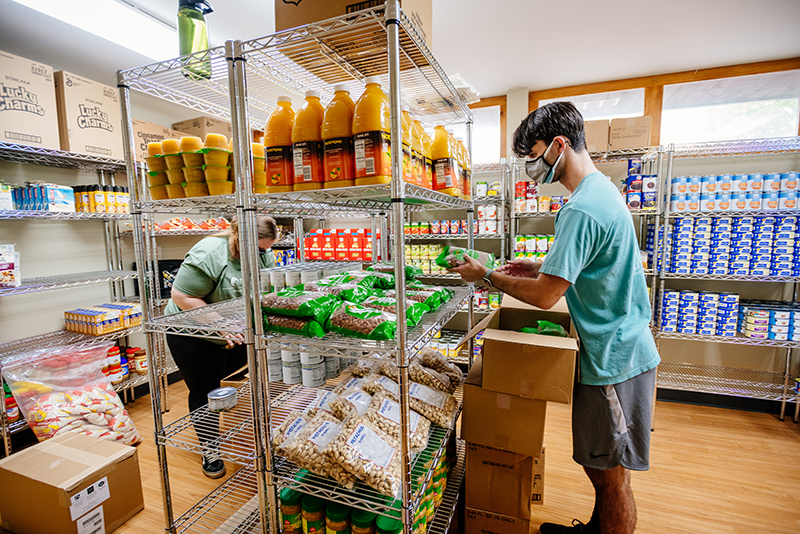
column 302, row 326
column 295, row 422
column 366, row 452
column 354, row 401
column 298, row 302
column 306, row 449
column 353, row 320
column 414, row 310
column 385, row 414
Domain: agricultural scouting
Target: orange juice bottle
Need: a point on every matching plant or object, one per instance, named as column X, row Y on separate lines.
column 307, row 144
column 408, row 138
column 445, row 163
column 372, row 135
column 427, row 178
column 468, row 174
column 417, row 153
column 278, row 144
column 337, row 139
column 465, row 172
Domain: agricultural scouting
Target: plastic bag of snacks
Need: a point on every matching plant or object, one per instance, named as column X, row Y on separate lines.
column 428, row 377
column 63, row 389
column 437, row 406
column 302, row 326
column 352, row 401
column 384, row 280
column 375, row 384
column 444, row 293
column 354, row 320
column 454, row 256
column 322, row 403
column 411, row 271
column 439, row 362
column 429, row 298
column 385, row 414
column 347, row 383
column 368, row 453
column 297, row 302
column 414, row 310
column 306, row 449
column 344, row 286
column 291, row 426
column 362, row 368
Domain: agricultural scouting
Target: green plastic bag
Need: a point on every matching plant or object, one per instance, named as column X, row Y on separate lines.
column 344, row 287
column 444, row 293
column 546, row 328
column 411, row 271
column 293, row 325
column 298, row 302
column 414, row 310
column 454, row 256
column 430, row 298
column 354, row 320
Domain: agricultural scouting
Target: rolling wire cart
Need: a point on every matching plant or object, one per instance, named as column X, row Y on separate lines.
column 246, row 77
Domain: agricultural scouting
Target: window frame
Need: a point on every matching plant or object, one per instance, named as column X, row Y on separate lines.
column 493, row 101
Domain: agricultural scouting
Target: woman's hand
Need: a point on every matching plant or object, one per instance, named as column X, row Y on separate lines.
column 521, row 268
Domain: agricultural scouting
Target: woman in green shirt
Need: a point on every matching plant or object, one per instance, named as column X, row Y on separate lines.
column 211, row 272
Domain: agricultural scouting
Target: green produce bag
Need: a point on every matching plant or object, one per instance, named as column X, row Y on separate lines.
column 354, row 320
column 298, row 302
column 454, row 256
column 546, row 328
column 293, row 325
column 414, row 310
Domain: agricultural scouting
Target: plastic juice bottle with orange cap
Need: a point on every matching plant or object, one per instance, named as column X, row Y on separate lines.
column 307, row 144
column 372, row 135
column 417, row 153
column 337, row 139
column 408, row 138
column 278, row 143
column 427, row 178
column 445, row 172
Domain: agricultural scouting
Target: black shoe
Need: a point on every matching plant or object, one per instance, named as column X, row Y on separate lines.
column 213, row 467
column 576, row 528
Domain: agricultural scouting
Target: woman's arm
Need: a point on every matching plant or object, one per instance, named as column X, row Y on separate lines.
column 184, row 301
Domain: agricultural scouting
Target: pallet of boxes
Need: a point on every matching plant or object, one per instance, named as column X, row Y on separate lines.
column 505, row 402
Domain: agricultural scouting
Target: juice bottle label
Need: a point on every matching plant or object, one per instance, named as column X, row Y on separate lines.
column 427, row 179
column 408, row 171
column 338, row 159
column 445, row 174
column 307, row 157
column 99, row 203
column 373, row 154
column 279, row 165
column 417, row 167
column 466, row 182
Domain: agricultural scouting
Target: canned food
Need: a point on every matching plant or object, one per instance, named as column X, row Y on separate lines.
column 530, row 243
column 789, row 181
column 556, row 202
column 708, row 184
column 481, row 189
column 222, row 399
column 519, row 189
column 541, row 243
column 455, row 226
column 772, row 182
column 680, row 185
column 532, row 205
column 519, row 242
column 491, row 211
column 435, row 227
column 544, row 204
column 755, row 182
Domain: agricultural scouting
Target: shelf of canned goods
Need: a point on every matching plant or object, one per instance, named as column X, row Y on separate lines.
column 732, row 227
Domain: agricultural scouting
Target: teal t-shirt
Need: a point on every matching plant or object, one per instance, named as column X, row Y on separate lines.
column 210, row 272
column 596, row 250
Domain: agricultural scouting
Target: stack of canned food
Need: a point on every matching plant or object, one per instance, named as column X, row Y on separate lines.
column 424, row 256
column 446, row 342
column 527, row 199
column 532, row 247
column 484, row 300
column 487, row 218
column 640, row 191
column 770, row 319
column 704, row 313
column 444, row 227
column 734, row 192
column 488, row 189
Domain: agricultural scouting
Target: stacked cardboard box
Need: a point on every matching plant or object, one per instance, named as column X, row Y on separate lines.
column 344, row 244
column 505, row 403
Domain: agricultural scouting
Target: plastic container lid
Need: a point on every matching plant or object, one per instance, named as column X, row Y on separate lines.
column 285, row 99
column 290, row 497
column 373, row 79
column 388, row 525
column 314, row 94
column 341, row 87
column 362, row 518
column 313, row 504
column 337, row 512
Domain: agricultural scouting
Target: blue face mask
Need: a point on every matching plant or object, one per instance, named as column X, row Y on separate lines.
column 539, row 170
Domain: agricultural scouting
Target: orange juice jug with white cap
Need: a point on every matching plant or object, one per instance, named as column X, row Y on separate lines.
column 427, row 177
column 417, row 153
column 337, row 140
column 445, row 171
column 372, row 135
column 307, row 144
column 408, row 138
column 278, row 144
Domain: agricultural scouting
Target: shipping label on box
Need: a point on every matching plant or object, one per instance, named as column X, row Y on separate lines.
column 200, row 126
column 596, row 135
column 482, row 522
column 28, row 110
column 146, row 132
column 630, row 133
column 89, row 116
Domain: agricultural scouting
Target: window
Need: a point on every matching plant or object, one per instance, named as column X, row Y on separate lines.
column 486, row 134
column 744, row 107
column 611, row 105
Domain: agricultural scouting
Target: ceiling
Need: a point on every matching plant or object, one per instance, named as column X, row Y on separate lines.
column 496, row 46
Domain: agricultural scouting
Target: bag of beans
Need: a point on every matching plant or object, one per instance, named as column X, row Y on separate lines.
column 293, row 325
column 454, row 256
column 414, row 310
column 354, row 320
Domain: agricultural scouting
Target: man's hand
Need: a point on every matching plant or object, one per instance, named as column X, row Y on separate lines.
column 472, row 271
column 521, row 268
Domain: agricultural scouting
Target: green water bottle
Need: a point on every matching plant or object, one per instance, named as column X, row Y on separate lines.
column 193, row 36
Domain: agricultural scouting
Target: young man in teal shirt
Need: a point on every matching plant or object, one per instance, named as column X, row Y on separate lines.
column 595, row 263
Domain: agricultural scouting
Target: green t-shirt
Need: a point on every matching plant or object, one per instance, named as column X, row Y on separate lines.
column 209, row 272
column 596, row 250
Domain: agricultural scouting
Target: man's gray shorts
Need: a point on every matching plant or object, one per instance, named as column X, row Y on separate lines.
column 611, row 424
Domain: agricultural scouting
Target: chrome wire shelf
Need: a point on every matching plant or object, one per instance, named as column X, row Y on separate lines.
column 61, row 337
column 447, row 507
column 47, row 283
column 730, row 277
column 213, row 321
column 649, row 272
column 494, row 199
column 536, row 215
column 489, row 167
column 735, row 382
column 232, row 508
column 615, row 156
column 174, row 233
column 58, row 158
column 210, row 204
column 743, row 147
column 17, row 426
column 738, row 339
column 441, row 276
column 62, row 216
column 723, row 214
column 428, row 237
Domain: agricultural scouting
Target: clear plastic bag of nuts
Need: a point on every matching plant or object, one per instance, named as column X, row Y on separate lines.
column 352, row 401
column 385, row 414
column 439, row 362
column 347, row 383
column 295, row 422
column 420, row 374
column 322, row 404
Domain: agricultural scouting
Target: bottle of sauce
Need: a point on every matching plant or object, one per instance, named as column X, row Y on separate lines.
column 278, row 143
column 445, row 172
column 99, row 199
column 291, row 510
column 407, row 124
column 417, row 153
column 86, row 205
column 313, row 515
column 337, row 518
column 372, row 135
column 307, row 144
column 337, row 138
column 362, row 522
column 111, row 199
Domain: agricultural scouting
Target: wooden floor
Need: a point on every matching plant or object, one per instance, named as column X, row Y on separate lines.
column 713, row 471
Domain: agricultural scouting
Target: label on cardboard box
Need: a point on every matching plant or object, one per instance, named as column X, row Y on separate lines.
column 146, row 132
column 630, row 133
column 88, row 498
column 481, row 522
column 92, row 523
column 200, row 126
column 596, row 135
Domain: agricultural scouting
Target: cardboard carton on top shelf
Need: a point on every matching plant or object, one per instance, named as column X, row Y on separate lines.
column 147, row 132
column 28, row 110
column 630, row 133
column 200, row 126
column 70, row 484
column 89, row 116
column 483, row 522
column 596, row 135
column 528, row 365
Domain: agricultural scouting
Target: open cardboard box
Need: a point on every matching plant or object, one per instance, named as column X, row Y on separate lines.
column 528, row 365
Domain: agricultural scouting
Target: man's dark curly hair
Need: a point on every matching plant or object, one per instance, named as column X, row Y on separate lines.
column 545, row 123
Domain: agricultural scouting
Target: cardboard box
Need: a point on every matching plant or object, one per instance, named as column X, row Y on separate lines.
column 200, row 126
column 499, row 420
column 528, row 365
column 89, row 116
column 147, row 132
column 356, row 254
column 71, row 484
column 28, row 111
column 630, row 133
column 481, row 522
column 236, row 379
column 503, row 482
column 596, row 135
column 290, row 14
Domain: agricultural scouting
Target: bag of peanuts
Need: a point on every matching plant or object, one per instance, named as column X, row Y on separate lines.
column 439, row 362
column 352, row 401
column 410, row 271
column 306, row 449
column 414, row 310
column 295, row 422
column 385, row 414
column 297, row 302
column 368, row 453
column 454, row 256
column 302, row 326
column 353, row 320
